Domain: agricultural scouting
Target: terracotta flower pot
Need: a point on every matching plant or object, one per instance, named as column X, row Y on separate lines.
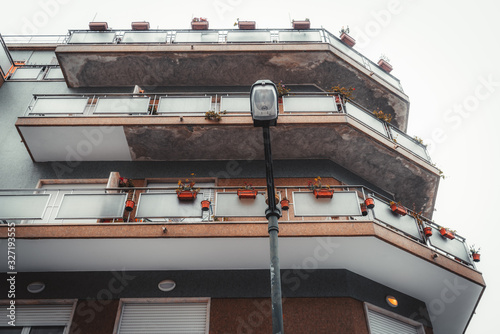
column 370, row 203
column 323, row 193
column 364, row 210
column 347, row 40
column 186, row 195
column 246, row 25
column 205, row 205
column 129, row 205
column 399, row 209
column 384, row 65
column 428, row 231
column 301, row 25
column 285, row 204
column 200, row 25
column 476, row 257
column 447, row 234
column 247, row 194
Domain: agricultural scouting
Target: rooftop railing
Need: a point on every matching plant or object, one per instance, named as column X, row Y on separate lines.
column 197, row 104
column 210, row 205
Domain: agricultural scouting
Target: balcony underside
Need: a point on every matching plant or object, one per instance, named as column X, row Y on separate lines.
column 228, row 65
column 365, row 248
column 335, row 137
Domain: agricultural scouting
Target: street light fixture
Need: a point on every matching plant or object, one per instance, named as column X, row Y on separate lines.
column 264, row 109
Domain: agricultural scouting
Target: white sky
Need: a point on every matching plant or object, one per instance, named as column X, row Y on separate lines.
column 445, row 53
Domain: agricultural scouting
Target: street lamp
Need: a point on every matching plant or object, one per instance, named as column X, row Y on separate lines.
column 264, row 109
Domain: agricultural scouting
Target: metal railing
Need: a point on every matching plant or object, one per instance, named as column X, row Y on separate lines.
column 158, row 105
column 140, row 205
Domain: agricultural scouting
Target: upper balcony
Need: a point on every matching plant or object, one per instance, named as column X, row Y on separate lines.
column 160, row 231
column 161, row 58
column 173, row 127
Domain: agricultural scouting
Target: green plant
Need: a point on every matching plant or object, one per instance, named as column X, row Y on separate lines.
column 125, row 183
column 212, row 115
column 441, row 173
column 385, row 58
column 347, row 92
column 316, row 184
column 473, row 249
column 282, row 89
column 383, row 116
column 247, row 186
column 199, row 19
column 419, row 140
column 344, row 31
column 448, row 229
column 186, row 186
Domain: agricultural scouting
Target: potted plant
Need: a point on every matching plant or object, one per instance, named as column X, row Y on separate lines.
column 398, row 208
column 247, row 192
column 344, row 37
column 428, row 231
column 370, row 203
column 245, row 25
column 212, row 115
column 475, row 253
column 383, row 116
column 305, row 24
column 447, row 233
column 205, row 205
column 319, row 190
column 285, row 204
column 384, row 64
column 199, row 23
column 341, row 93
column 186, row 190
column 282, row 90
column 364, row 209
column 127, row 183
column 276, row 198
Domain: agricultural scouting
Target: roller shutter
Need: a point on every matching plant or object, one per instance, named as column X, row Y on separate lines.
column 383, row 324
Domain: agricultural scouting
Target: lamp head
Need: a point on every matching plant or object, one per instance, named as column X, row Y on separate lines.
column 264, row 103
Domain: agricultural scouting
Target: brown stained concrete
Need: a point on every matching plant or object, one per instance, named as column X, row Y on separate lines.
column 335, row 137
column 243, row 230
column 228, row 65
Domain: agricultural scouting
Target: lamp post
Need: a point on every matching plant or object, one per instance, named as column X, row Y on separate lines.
column 264, row 109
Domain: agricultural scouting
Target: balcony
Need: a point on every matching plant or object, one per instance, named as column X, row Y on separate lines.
column 172, row 127
column 163, row 232
column 162, row 58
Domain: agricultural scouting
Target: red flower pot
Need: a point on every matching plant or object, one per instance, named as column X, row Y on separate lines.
column 476, row 257
column 247, row 194
column 200, row 25
column 323, row 193
column 205, row 205
column 301, row 25
column 246, row 25
column 186, row 195
column 347, row 40
column 129, row 205
column 370, row 203
column 428, row 231
column 447, row 234
column 364, row 210
column 384, row 65
column 399, row 209
column 285, row 204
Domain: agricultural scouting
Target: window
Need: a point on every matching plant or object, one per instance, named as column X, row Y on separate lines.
column 164, row 315
column 381, row 321
column 39, row 319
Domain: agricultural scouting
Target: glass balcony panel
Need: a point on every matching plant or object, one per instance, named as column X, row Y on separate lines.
column 407, row 224
column 92, row 37
column 42, row 58
column 20, row 55
column 249, row 36
column 343, row 203
column 229, row 205
column 402, row 139
column 299, row 36
column 23, row 206
column 196, row 37
column 235, row 104
column 27, row 73
column 346, row 50
column 454, row 247
column 182, row 105
column 309, row 104
column 167, row 205
column 92, row 206
column 144, row 37
column 122, row 105
column 365, row 118
column 54, row 73
column 59, row 106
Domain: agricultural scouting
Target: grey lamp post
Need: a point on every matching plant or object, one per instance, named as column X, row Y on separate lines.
column 264, row 109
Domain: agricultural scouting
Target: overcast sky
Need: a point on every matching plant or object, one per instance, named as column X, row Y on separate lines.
column 446, row 54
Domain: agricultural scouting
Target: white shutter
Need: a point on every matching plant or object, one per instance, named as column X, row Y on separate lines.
column 40, row 315
column 163, row 318
column 383, row 324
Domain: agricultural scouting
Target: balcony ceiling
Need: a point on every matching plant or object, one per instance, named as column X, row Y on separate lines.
column 228, row 65
column 335, row 137
column 445, row 293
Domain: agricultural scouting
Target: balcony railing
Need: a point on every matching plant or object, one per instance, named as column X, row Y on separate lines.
column 232, row 104
column 162, row 205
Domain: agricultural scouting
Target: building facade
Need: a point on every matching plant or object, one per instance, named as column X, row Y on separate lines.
column 133, row 197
